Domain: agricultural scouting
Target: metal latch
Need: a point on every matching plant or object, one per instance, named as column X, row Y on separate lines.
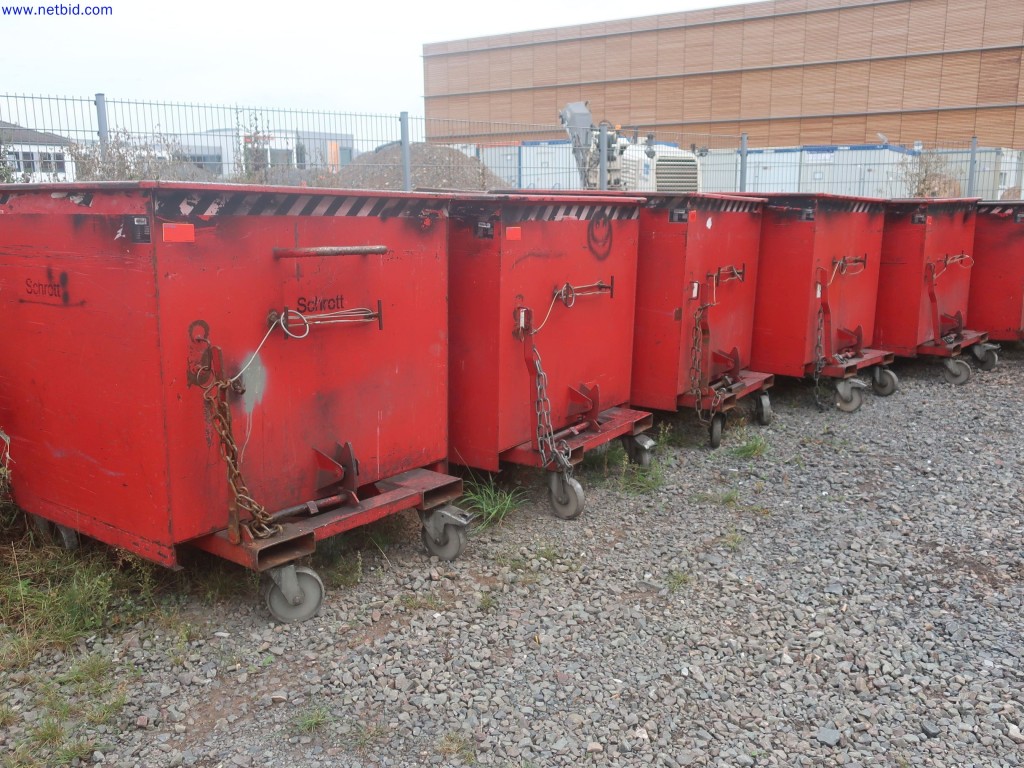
column 139, row 229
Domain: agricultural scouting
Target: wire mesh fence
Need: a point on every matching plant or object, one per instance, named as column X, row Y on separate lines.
column 88, row 139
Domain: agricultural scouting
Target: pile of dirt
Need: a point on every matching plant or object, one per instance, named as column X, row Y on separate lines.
column 433, row 167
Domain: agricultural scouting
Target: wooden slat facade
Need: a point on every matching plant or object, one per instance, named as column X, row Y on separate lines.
column 783, row 71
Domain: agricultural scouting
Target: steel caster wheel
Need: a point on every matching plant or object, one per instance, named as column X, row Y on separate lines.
column 851, row 402
column 452, row 546
column 715, row 430
column 639, row 449
column 566, row 496
column 763, row 409
column 884, row 382
column 986, row 356
column 956, row 371
column 307, row 599
column 51, row 533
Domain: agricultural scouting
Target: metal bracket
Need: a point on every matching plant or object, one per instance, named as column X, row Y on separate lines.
column 586, row 401
column 850, row 340
column 288, row 583
column 339, row 472
column 845, row 387
column 436, row 519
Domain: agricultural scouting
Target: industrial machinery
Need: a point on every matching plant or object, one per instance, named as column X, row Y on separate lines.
column 629, row 166
column 924, row 284
column 244, row 370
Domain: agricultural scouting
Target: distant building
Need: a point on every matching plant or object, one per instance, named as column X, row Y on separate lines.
column 36, row 156
column 786, row 72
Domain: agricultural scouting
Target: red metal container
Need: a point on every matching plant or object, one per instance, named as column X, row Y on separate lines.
column 541, row 295
column 996, row 302
column 696, row 282
column 125, row 304
column 816, row 289
column 925, row 283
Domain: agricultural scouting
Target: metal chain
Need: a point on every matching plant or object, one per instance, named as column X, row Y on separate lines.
column 261, row 526
column 696, row 371
column 550, row 449
column 819, row 359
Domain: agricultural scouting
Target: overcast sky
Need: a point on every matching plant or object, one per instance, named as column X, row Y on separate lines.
column 341, row 56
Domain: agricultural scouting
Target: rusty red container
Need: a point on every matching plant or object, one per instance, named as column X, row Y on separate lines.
column 696, row 285
column 541, row 293
column 924, row 286
column 122, row 302
column 817, row 286
column 996, row 301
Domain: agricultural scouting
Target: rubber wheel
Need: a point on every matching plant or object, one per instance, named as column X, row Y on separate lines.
column 313, row 591
column 988, row 360
column 956, row 371
column 567, row 498
column 853, row 404
column 642, row 457
column 449, row 549
column 885, row 382
column 716, row 429
column 763, row 409
column 52, row 533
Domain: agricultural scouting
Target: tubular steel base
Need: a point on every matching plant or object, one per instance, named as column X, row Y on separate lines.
column 728, row 397
column 415, row 489
column 868, row 358
column 953, row 348
column 583, row 437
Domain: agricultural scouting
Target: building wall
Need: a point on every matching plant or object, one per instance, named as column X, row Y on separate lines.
column 785, row 72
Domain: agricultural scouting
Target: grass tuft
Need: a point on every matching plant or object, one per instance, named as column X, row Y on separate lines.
column 455, row 745
column 677, row 580
column 753, row 448
column 313, row 719
column 491, row 503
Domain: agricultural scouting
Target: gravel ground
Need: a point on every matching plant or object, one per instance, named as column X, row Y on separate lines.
column 853, row 596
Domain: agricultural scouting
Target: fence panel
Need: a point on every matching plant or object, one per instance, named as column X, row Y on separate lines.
column 46, row 138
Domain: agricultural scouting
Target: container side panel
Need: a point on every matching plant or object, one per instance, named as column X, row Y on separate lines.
column 379, row 384
column 722, row 256
column 663, row 311
column 851, row 249
column 996, row 303
column 473, row 334
column 785, row 312
column 80, row 384
column 587, row 344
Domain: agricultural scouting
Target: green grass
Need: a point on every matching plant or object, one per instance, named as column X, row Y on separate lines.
column 488, row 602
column 677, row 580
column 427, row 601
column 753, row 448
column 49, row 733
column 8, row 717
column 728, row 498
column 76, row 748
column 639, row 480
column 313, row 719
column 88, row 671
column 455, row 745
column 105, row 712
column 364, row 736
column 548, row 552
column 491, row 503
column 732, row 540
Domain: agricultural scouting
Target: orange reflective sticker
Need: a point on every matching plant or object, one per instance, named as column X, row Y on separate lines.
column 179, row 233
column 513, row 233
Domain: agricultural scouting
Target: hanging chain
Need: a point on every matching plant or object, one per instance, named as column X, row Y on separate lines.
column 819, row 358
column 551, row 450
column 697, row 371
column 261, row 526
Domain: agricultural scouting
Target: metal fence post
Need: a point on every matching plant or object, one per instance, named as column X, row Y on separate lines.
column 602, row 147
column 101, row 123
column 972, row 168
column 743, row 162
column 406, row 153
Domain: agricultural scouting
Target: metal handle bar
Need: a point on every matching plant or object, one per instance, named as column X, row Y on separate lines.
column 730, row 273
column 329, row 250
